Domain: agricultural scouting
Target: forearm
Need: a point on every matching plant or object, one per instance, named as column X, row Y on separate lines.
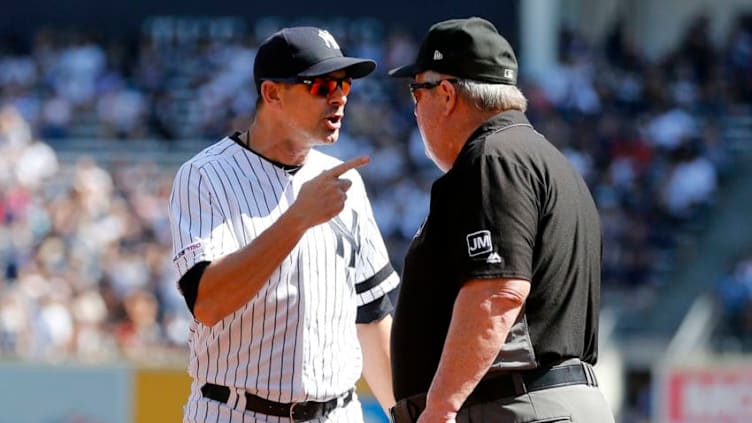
column 481, row 319
column 374, row 341
column 231, row 281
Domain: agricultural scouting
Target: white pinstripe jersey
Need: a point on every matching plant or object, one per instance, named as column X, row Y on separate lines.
column 296, row 339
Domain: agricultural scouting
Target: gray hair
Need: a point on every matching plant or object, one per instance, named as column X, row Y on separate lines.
column 485, row 96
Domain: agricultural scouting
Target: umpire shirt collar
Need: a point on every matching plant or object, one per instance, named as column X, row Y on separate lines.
column 497, row 123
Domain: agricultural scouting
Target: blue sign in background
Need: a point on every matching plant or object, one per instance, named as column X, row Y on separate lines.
column 372, row 411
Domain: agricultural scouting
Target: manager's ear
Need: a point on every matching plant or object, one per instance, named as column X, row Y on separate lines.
column 270, row 91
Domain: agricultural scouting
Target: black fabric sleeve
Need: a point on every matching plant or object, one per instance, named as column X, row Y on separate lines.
column 497, row 221
column 188, row 284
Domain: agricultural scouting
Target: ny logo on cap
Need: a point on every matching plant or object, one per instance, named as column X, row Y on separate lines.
column 437, row 55
column 328, row 39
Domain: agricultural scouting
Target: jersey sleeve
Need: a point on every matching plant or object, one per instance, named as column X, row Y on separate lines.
column 199, row 230
column 374, row 273
column 497, row 215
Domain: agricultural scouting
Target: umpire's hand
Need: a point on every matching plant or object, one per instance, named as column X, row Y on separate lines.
column 323, row 197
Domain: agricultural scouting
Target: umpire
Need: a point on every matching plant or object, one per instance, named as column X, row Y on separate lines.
column 497, row 318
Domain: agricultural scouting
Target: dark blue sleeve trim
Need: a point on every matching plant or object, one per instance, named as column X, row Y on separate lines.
column 374, row 280
column 375, row 310
column 188, row 284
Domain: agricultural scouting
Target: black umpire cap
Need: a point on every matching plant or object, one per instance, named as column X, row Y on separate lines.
column 304, row 51
column 468, row 48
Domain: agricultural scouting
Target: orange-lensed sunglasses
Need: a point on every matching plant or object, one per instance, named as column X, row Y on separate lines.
column 321, row 86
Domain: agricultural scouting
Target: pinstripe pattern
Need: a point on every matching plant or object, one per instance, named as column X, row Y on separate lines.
column 296, row 339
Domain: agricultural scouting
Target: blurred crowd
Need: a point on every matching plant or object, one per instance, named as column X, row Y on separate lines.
column 85, row 250
column 85, row 253
column 734, row 295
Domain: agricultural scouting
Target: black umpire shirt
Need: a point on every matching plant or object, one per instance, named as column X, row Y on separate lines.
column 512, row 206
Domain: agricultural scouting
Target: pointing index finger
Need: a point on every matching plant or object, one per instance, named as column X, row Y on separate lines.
column 341, row 168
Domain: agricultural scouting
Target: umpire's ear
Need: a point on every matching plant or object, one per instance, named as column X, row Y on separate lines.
column 270, row 92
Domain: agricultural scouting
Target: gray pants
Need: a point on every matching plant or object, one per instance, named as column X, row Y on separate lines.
column 579, row 403
column 576, row 404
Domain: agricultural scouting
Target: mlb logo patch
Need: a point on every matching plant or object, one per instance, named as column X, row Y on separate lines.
column 479, row 243
column 188, row 249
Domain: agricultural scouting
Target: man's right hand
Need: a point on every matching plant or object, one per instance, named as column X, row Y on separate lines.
column 324, row 196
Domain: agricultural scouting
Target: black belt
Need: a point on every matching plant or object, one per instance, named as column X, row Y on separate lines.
column 296, row 411
column 505, row 385
column 513, row 384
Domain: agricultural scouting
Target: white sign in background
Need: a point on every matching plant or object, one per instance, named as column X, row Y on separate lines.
column 706, row 394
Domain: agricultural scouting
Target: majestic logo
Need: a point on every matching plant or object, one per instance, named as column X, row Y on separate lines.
column 328, row 39
column 346, row 235
column 479, row 243
column 437, row 55
column 493, row 258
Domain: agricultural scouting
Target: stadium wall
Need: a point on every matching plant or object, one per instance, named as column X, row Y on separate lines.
column 112, row 393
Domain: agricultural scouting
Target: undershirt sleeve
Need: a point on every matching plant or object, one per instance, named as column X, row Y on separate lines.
column 188, row 284
column 375, row 310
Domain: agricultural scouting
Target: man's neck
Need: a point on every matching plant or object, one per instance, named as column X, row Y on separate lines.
column 469, row 123
column 275, row 145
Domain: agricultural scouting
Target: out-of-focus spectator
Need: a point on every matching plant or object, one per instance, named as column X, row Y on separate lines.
column 734, row 297
column 668, row 129
column 691, row 182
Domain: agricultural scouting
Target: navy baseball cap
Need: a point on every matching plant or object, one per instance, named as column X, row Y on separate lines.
column 468, row 48
column 304, row 51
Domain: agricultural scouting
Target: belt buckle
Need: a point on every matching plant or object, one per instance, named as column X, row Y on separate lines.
column 292, row 412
